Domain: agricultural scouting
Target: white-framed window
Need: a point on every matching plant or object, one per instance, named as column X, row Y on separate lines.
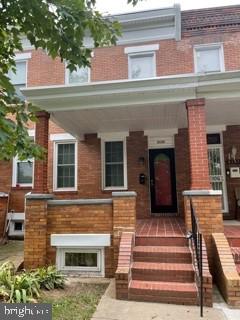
column 209, row 58
column 22, row 174
column 84, row 260
column 141, row 65
column 19, row 79
column 81, row 75
column 65, row 166
column 114, row 164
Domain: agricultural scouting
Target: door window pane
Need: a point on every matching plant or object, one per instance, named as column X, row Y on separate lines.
column 81, row 259
column 114, row 164
column 66, row 165
column 208, row 59
column 163, row 182
column 81, row 75
column 24, row 172
column 141, row 66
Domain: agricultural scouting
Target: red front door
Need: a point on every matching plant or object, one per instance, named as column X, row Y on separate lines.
column 162, row 181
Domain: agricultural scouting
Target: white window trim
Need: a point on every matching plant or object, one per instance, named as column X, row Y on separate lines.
column 55, row 148
column 67, row 71
column 24, row 57
column 31, row 133
column 114, row 139
column 100, row 269
column 209, row 46
column 145, row 53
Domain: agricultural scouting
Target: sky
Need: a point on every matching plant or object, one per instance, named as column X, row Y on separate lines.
column 120, row 6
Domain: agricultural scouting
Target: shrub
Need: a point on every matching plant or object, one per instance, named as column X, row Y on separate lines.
column 49, row 278
column 17, row 287
column 25, row 286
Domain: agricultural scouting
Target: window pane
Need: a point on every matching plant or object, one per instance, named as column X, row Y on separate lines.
column 114, row 151
column 208, row 60
column 114, row 175
column 79, row 76
column 20, row 76
column 142, row 66
column 18, row 226
column 24, row 172
column 81, row 259
column 66, row 165
column 66, row 153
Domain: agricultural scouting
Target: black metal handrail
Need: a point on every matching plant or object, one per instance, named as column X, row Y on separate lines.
column 197, row 242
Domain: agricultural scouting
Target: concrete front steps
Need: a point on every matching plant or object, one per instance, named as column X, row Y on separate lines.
column 162, row 271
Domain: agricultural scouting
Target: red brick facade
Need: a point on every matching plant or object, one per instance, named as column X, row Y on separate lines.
column 190, row 147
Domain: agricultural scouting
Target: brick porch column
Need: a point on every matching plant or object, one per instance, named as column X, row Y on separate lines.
column 206, row 202
column 198, row 144
column 41, row 166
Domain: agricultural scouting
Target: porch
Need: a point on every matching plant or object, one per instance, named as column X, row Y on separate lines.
column 167, row 118
column 165, row 159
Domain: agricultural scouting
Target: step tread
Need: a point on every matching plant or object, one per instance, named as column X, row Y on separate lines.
column 163, row 286
column 161, row 249
column 162, row 266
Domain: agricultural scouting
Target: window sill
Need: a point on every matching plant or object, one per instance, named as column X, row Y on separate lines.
column 21, row 187
column 65, row 191
column 115, row 189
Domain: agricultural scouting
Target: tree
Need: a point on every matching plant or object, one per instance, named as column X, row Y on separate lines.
column 57, row 26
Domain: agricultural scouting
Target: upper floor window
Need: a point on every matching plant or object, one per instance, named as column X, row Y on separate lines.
column 141, row 66
column 19, row 79
column 209, row 58
column 81, row 75
column 65, row 166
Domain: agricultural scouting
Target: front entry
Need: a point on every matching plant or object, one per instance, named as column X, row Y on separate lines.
column 162, row 181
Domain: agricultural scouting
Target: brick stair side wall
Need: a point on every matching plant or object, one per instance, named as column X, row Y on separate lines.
column 225, row 273
column 125, row 258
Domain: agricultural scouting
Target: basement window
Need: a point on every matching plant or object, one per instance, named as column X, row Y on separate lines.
column 81, row 259
column 18, row 226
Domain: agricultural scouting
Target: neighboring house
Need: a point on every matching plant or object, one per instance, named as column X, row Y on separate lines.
column 156, row 115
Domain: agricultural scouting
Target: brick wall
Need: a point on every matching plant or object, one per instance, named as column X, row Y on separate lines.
column 81, row 219
column 224, row 271
column 208, row 211
column 43, row 219
column 182, row 167
column 3, row 212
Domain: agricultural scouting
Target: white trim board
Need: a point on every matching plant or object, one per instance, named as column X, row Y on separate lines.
column 140, row 49
column 81, row 240
column 61, row 137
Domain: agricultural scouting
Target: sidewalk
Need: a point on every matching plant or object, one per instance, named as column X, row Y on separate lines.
column 111, row 309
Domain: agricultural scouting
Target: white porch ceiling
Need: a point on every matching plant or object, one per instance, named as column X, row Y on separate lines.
column 132, row 105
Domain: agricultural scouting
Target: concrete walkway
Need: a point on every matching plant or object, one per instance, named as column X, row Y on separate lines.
column 12, row 251
column 111, row 309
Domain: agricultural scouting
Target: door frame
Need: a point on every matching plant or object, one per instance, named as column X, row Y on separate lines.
column 174, row 192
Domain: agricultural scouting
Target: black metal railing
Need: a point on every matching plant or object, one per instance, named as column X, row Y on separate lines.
column 197, row 243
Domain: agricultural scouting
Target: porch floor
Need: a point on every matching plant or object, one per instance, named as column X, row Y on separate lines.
column 161, row 227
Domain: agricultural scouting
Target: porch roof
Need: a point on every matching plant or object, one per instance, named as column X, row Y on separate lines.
column 139, row 104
